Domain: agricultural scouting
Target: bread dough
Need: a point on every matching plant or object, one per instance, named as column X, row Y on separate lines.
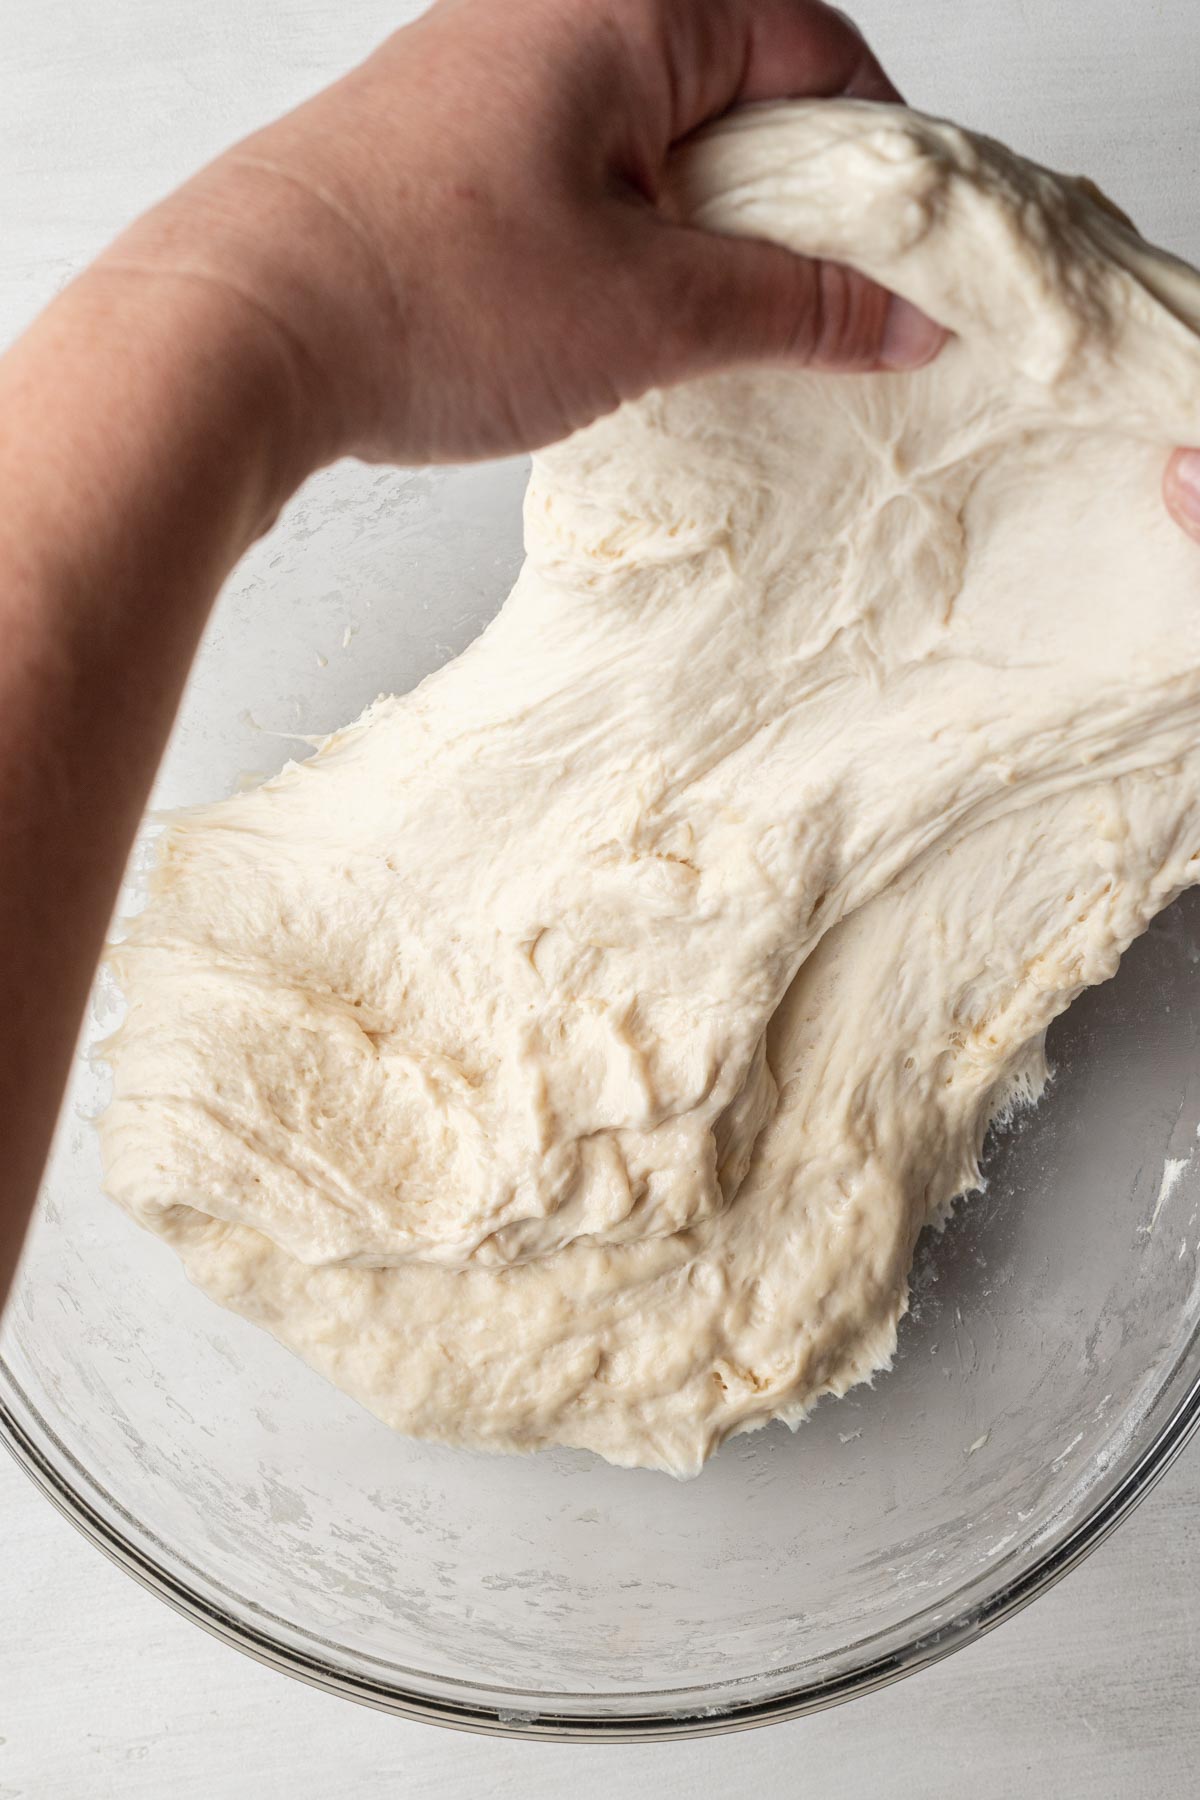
column 572, row 1050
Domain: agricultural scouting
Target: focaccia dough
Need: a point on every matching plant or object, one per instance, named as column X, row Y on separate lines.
column 571, row 1050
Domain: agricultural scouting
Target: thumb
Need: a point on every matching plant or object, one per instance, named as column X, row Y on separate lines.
column 731, row 300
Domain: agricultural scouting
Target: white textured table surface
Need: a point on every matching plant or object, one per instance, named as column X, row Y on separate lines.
column 103, row 1691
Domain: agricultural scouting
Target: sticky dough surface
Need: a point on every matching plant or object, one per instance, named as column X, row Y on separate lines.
column 571, row 1050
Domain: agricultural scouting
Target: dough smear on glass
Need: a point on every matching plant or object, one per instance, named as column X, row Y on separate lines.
column 571, row 1050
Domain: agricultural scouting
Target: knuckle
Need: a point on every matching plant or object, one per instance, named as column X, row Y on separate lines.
column 848, row 322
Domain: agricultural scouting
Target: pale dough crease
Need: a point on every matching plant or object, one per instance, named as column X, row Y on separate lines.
column 571, row 1050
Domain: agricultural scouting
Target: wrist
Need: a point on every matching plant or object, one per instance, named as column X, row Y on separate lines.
column 205, row 382
column 296, row 276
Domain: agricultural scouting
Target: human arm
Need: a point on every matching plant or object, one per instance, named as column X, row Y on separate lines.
column 453, row 252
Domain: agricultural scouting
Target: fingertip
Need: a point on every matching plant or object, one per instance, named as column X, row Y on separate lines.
column 910, row 338
column 1181, row 490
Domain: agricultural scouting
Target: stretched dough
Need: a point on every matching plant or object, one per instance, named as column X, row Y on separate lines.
column 572, row 1050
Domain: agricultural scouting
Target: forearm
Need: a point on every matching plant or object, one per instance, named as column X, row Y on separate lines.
column 146, row 438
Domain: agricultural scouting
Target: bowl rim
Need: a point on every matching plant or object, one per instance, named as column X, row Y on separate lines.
column 1062, row 1554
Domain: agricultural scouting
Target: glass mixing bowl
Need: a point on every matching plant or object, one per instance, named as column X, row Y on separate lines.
column 1048, row 1370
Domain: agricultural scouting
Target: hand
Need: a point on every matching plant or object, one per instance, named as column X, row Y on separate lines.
column 1181, row 490
column 458, row 243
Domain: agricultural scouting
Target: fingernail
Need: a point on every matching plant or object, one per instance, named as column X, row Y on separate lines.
column 1185, row 483
column 910, row 338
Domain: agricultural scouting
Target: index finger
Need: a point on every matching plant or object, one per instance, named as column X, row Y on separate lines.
column 728, row 52
column 804, row 49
